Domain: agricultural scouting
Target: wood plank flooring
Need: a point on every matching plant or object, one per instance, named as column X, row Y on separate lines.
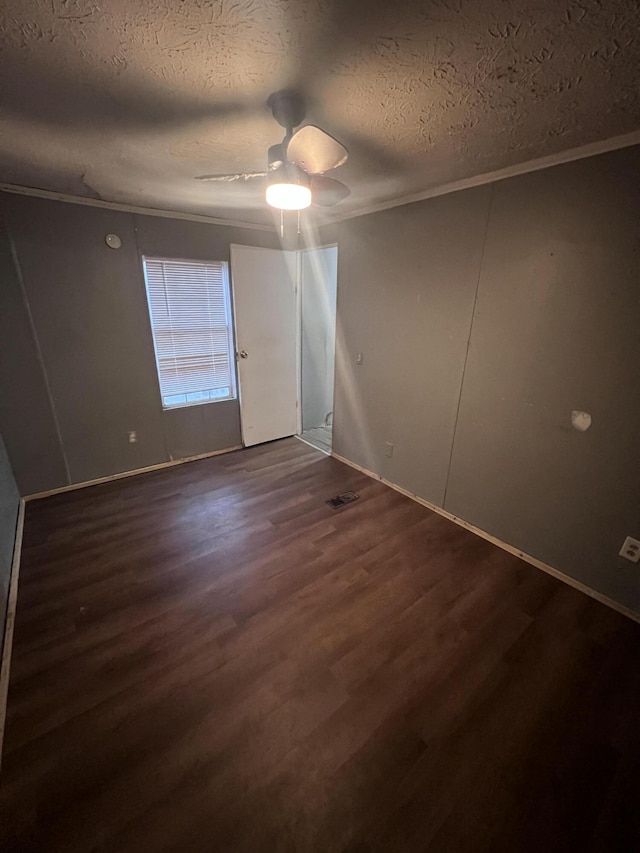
column 209, row 658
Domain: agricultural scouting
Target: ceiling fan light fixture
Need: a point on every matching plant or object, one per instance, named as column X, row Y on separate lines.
column 288, row 188
column 288, row 196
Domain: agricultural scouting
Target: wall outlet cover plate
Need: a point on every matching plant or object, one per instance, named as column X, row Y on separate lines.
column 631, row 550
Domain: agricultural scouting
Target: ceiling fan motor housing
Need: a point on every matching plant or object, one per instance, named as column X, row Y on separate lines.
column 288, row 173
column 282, row 170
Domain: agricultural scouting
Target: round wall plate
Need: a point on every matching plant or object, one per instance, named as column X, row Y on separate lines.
column 113, row 241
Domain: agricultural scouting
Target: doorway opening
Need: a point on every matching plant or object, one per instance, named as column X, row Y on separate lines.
column 318, row 292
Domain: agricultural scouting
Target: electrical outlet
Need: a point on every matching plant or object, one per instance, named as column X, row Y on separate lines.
column 388, row 449
column 133, row 436
column 359, row 358
column 631, row 550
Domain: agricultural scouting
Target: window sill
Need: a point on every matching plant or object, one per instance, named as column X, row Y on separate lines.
column 197, row 403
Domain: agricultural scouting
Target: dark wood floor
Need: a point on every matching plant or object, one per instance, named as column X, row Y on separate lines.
column 209, row 658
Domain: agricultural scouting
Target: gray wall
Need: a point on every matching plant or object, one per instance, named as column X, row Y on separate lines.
column 406, row 286
column 26, row 416
column 318, row 282
column 9, row 503
column 76, row 332
column 485, row 317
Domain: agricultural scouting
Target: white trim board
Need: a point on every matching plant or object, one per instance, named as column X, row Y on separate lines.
column 533, row 561
column 568, row 156
column 10, row 622
column 17, row 189
column 124, row 474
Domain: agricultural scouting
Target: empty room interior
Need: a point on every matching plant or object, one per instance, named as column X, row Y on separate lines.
column 320, row 426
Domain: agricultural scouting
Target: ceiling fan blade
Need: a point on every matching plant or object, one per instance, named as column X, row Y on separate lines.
column 315, row 151
column 326, row 191
column 241, row 176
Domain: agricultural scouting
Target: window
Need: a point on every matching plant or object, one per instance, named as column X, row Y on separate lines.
column 190, row 311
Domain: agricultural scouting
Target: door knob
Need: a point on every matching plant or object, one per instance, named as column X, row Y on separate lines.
column 243, row 353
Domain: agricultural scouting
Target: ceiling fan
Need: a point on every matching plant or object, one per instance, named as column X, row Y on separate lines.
column 297, row 165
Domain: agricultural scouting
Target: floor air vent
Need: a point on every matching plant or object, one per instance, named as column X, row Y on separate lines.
column 341, row 500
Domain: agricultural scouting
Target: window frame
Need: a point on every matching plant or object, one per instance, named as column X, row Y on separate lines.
column 228, row 299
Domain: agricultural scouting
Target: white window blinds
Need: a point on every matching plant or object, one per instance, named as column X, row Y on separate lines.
column 190, row 311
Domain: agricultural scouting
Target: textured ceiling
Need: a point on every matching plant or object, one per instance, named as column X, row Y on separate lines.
column 127, row 100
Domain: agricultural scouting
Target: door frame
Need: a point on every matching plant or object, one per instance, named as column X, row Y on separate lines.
column 298, row 289
column 299, row 253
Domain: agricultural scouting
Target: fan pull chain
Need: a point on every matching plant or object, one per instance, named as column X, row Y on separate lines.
column 281, row 224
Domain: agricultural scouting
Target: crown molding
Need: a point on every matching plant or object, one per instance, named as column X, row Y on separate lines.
column 16, row 189
column 568, row 156
column 592, row 149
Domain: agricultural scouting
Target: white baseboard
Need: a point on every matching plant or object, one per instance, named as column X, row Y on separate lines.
column 10, row 622
column 576, row 584
column 121, row 476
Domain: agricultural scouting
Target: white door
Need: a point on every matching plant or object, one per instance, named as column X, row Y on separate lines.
column 264, row 295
